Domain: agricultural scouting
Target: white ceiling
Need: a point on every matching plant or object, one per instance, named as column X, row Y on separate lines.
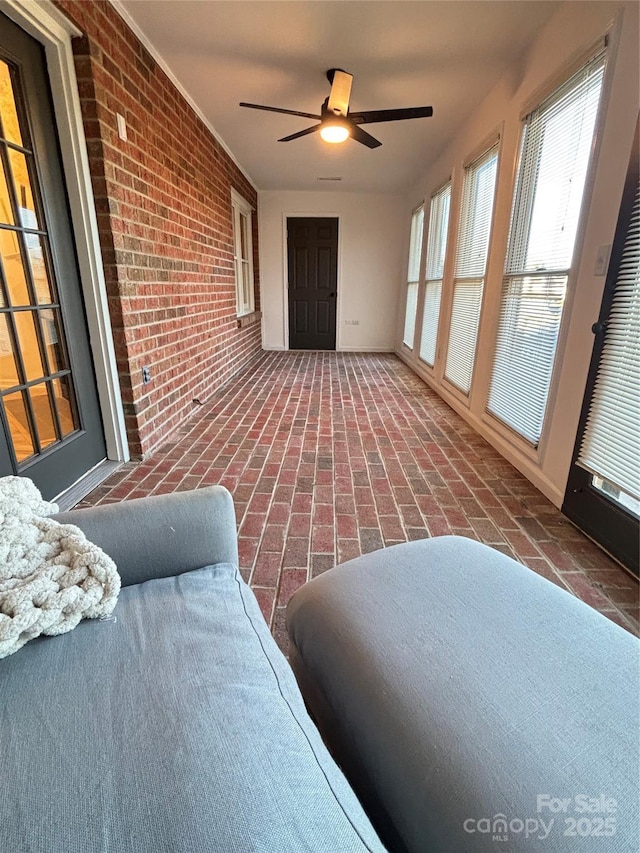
column 447, row 54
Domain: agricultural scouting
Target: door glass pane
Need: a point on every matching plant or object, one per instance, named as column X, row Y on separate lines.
column 39, row 274
column 50, row 320
column 13, row 268
column 19, row 428
column 6, row 211
column 8, row 369
column 41, row 408
column 10, row 124
column 22, row 186
column 28, row 343
column 62, row 396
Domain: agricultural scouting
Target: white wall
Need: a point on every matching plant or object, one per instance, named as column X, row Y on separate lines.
column 370, row 260
column 571, row 31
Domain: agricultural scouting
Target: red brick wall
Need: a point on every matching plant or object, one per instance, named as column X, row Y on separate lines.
column 163, row 200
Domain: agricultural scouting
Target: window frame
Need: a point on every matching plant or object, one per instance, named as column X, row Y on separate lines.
column 414, row 247
column 242, row 221
column 490, row 145
column 444, row 188
column 522, row 206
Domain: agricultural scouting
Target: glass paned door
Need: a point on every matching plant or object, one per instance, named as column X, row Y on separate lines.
column 35, row 380
column 603, row 488
column 50, row 422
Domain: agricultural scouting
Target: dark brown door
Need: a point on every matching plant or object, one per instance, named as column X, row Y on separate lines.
column 312, row 251
column 50, row 425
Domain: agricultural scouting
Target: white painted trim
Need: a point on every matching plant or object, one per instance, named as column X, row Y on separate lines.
column 241, row 207
column 144, row 39
column 40, row 19
column 385, row 348
column 44, row 22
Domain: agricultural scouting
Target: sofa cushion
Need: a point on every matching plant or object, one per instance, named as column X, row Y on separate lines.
column 458, row 686
column 175, row 726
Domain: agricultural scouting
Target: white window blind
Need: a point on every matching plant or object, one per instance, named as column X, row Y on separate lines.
column 471, row 261
column 610, row 447
column 554, row 157
column 413, row 275
column 436, row 251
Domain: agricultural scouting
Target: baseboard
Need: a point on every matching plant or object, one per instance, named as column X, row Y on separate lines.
column 525, row 465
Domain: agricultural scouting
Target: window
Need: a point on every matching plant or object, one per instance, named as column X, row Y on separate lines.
column 413, row 274
column 555, row 151
column 471, row 262
column 243, row 254
column 436, row 251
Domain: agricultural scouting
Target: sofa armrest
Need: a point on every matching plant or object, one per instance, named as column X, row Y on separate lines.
column 163, row 535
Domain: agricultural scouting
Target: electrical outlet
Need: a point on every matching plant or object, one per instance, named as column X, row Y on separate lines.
column 122, row 127
column 602, row 259
column 146, row 375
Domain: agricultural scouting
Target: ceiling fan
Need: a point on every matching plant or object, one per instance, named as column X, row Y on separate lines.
column 336, row 122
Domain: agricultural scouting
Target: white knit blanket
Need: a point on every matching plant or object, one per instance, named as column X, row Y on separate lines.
column 51, row 576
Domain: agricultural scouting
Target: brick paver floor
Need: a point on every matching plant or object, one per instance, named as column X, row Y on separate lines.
column 331, row 455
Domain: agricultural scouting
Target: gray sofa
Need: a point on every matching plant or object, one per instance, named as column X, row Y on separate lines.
column 176, row 725
column 474, row 705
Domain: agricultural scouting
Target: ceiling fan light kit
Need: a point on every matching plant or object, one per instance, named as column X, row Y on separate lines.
column 335, row 130
column 336, row 123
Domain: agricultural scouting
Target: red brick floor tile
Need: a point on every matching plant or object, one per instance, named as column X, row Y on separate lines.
column 273, row 538
column 247, row 550
column 346, row 527
column 296, row 553
column 290, row 581
column 439, row 526
column 279, row 513
column 392, row 529
column 580, row 585
column 560, row 558
column 321, row 563
column 267, row 568
column 348, row 549
column 345, row 504
column 300, row 524
column 253, row 525
column 301, row 502
column 329, row 455
column 323, row 539
column 266, row 599
column 323, row 494
column 323, row 514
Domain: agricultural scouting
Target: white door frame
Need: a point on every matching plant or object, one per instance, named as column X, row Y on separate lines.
column 48, row 25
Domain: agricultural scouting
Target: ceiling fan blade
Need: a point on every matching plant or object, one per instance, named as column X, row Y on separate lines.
column 300, row 133
column 365, row 138
column 340, row 91
column 279, row 110
column 372, row 116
